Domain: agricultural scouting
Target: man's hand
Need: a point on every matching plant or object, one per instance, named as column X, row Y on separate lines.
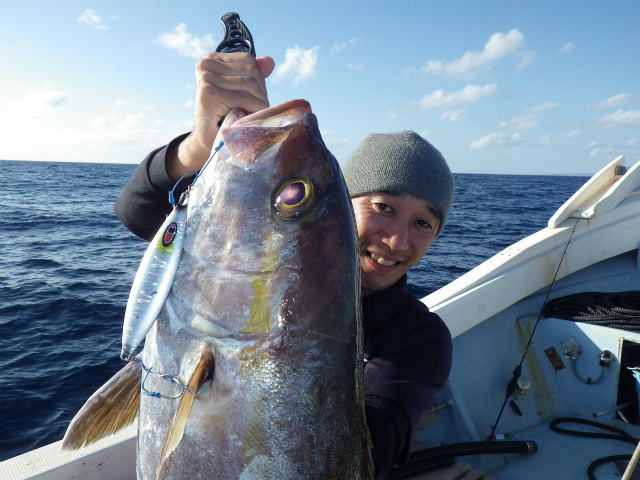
column 224, row 81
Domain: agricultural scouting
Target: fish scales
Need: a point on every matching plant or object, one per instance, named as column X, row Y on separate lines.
column 262, row 321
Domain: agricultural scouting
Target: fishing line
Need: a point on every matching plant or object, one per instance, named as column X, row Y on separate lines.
column 165, row 376
column 198, row 174
column 171, row 197
column 513, row 383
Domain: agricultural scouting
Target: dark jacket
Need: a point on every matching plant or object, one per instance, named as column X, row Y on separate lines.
column 407, row 352
column 407, row 349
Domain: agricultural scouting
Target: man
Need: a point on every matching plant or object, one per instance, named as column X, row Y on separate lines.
column 401, row 190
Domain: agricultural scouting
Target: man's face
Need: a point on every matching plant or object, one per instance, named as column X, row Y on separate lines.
column 394, row 232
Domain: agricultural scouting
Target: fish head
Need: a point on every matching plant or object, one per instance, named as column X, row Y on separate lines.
column 270, row 231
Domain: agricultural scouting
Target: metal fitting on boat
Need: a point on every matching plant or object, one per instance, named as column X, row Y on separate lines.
column 523, row 386
column 605, row 358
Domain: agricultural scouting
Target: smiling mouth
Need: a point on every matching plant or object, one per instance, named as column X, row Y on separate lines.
column 382, row 261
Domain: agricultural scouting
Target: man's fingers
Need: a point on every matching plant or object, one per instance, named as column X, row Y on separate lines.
column 266, row 64
column 230, row 73
column 222, row 93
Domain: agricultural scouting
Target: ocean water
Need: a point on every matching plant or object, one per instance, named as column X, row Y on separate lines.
column 66, row 267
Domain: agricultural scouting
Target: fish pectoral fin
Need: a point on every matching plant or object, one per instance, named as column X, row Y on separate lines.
column 111, row 408
column 203, row 372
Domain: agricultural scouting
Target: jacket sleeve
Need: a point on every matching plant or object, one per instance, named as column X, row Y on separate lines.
column 144, row 203
column 390, row 432
column 407, row 370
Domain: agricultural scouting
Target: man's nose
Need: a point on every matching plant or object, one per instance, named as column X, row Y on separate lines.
column 397, row 238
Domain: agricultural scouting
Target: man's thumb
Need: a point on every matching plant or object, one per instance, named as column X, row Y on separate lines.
column 266, row 64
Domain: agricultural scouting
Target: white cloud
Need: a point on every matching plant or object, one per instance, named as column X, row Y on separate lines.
column 66, row 131
column 91, row 18
column 523, row 123
column 135, row 104
column 185, row 43
column 497, row 140
column 620, row 117
column 616, row 101
column 453, row 115
column 132, row 120
column 595, row 152
column 605, row 150
column 299, row 64
column 355, row 66
column 526, row 59
column 40, row 103
column 530, row 117
column 337, row 47
column 467, row 95
column 546, row 140
column 544, row 106
column 574, row 133
column 103, row 122
column 567, row 48
column 498, row 46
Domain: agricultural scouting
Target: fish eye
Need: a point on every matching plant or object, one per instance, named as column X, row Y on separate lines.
column 295, row 197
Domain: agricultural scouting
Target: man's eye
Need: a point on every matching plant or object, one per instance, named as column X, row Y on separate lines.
column 425, row 225
column 383, row 206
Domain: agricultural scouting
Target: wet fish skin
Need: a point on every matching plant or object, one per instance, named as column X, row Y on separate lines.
column 270, row 294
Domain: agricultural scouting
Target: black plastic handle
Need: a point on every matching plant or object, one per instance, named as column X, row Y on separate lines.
column 237, row 37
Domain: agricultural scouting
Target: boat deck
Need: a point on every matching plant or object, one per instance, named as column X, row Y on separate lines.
column 554, row 449
column 458, row 471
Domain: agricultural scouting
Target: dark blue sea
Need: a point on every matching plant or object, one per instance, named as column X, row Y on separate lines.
column 66, row 267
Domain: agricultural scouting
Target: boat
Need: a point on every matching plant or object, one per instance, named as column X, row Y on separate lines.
column 546, row 339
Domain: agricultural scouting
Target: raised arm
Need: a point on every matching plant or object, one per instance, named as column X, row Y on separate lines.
column 224, row 81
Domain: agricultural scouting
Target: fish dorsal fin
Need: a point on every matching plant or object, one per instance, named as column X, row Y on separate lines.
column 203, row 372
column 111, row 408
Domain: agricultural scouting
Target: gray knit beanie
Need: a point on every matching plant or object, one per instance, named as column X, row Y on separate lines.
column 402, row 162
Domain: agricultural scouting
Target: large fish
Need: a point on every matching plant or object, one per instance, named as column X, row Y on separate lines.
column 260, row 334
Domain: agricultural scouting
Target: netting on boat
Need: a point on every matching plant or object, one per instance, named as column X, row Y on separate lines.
column 616, row 309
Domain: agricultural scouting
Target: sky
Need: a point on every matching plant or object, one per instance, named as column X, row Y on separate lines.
column 513, row 87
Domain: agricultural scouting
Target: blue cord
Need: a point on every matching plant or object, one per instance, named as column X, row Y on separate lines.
column 172, row 199
column 164, row 376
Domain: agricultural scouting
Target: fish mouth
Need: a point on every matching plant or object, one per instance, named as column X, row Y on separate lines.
column 271, row 117
column 246, row 136
column 233, row 116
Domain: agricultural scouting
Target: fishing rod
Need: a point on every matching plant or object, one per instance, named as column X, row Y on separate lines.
column 237, row 37
column 512, row 386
